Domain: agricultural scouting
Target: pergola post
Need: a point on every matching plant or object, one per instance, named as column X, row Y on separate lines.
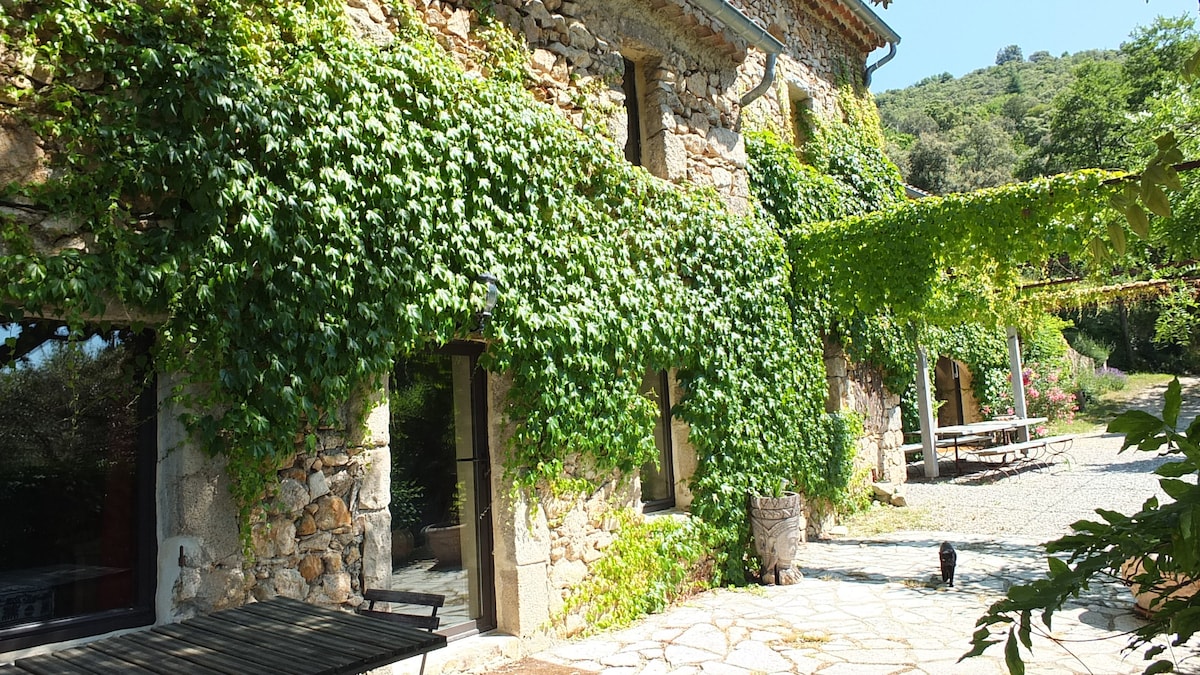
column 925, row 407
column 1016, row 370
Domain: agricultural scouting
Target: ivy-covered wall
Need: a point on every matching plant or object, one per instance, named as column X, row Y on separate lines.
column 293, row 207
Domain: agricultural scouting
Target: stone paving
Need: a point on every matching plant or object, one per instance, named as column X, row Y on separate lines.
column 864, row 607
column 423, row 574
column 868, row 606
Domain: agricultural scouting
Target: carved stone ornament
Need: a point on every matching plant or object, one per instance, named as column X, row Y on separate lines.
column 776, row 523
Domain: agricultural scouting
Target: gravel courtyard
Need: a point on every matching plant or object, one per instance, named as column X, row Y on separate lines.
column 1044, row 502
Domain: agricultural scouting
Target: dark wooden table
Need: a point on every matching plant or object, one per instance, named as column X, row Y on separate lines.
column 277, row 636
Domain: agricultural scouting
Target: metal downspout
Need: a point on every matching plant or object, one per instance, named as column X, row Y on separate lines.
column 859, row 9
column 756, row 35
column 768, row 78
column 872, row 68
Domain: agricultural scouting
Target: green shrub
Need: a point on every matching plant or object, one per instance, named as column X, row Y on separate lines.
column 1090, row 347
column 649, row 565
column 1092, row 385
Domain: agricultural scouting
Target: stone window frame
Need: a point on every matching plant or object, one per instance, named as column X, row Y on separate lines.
column 639, row 104
column 145, row 572
column 800, row 111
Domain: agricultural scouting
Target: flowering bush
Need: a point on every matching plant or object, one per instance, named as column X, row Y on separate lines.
column 1092, row 385
column 1048, row 393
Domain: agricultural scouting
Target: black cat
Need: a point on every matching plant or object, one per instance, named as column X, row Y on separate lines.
column 948, row 557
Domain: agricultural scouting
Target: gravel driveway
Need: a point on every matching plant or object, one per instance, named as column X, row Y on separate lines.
column 1044, row 502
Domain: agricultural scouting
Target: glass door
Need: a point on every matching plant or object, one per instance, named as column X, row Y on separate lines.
column 441, row 515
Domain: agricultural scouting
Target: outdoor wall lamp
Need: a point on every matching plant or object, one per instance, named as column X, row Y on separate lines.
column 493, row 296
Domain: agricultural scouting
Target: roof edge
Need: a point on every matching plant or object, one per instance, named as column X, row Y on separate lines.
column 869, row 17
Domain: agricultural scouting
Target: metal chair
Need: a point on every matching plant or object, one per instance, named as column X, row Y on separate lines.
column 428, row 622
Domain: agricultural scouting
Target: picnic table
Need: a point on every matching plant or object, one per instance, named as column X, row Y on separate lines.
column 280, row 635
column 1001, row 439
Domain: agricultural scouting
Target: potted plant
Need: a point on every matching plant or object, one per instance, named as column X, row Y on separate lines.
column 1147, row 597
column 777, row 523
column 445, row 538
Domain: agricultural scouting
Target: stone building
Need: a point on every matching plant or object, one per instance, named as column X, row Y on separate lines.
column 675, row 82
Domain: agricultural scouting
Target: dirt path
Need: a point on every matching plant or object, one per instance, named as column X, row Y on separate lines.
column 1151, row 399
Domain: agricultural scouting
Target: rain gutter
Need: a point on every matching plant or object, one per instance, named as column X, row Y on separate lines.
column 756, row 35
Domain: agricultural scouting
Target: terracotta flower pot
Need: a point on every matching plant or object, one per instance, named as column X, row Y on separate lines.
column 1147, row 600
column 445, row 543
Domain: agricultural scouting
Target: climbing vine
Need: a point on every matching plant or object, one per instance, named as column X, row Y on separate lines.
column 963, row 254
column 954, row 264
column 297, row 208
column 301, row 208
column 651, row 564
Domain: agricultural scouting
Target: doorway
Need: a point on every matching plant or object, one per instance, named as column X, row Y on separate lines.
column 441, row 499
column 948, row 387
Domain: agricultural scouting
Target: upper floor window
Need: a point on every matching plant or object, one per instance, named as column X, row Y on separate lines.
column 77, row 459
column 632, row 82
column 800, row 112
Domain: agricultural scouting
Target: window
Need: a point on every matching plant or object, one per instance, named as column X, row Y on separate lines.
column 632, row 85
column 800, row 110
column 658, row 478
column 77, row 459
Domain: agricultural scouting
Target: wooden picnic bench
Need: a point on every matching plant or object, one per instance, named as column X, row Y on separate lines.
column 995, row 440
column 1042, row 450
column 275, row 636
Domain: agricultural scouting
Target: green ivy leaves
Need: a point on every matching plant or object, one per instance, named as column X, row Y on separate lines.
column 302, row 209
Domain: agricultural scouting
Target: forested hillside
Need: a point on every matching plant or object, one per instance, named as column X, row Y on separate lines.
column 1043, row 114
column 1033, row 116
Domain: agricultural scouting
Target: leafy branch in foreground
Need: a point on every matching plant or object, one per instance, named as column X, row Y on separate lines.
column 1156, row 549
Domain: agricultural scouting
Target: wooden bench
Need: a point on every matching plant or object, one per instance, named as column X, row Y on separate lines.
column 943, row 446
column 911, row 450
column 1036, row 450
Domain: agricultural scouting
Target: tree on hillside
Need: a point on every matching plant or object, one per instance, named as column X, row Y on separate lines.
column 930, row 164
column 1009, row 54
column 1089, row 126
column 985, row 155
column 1155, row 56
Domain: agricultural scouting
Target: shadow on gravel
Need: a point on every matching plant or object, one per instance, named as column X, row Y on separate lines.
column 982, row 473
column 1147, row 465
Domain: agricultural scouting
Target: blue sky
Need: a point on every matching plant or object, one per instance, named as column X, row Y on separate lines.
column 959, row 36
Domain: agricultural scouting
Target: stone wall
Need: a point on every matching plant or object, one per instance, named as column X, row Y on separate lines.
column 696, row 72
column 319, row 538
column 545, row 543
column 860, row 388
column 581, row 528
column 325, row 534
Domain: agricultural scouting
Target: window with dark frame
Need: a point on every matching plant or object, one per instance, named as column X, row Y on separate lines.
column 633, row 113
column 658, row 478
column 78, row 446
